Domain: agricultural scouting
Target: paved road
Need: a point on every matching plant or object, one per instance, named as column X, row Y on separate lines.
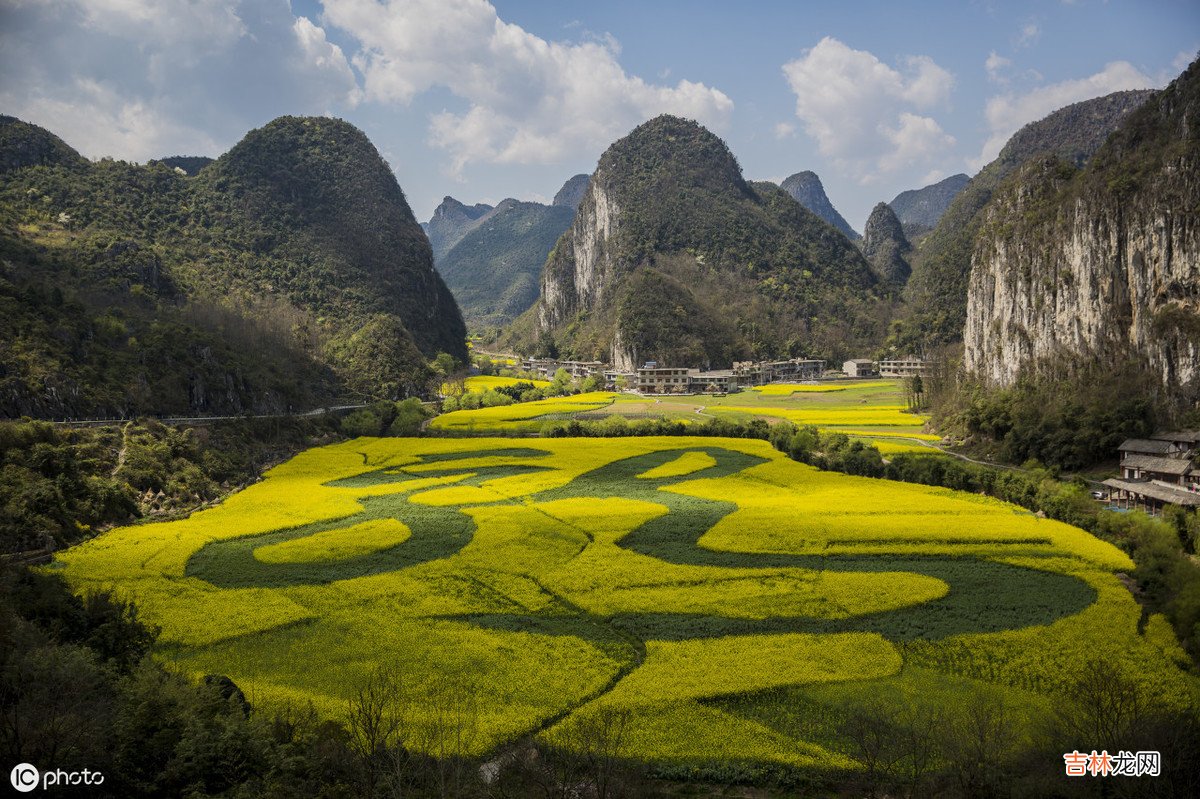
column 190, row 419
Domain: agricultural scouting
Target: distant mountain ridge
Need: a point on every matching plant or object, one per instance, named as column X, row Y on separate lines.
column 806, row 188
column 491, row 256
column 451, row 221
column 920, row 209
column 572, row 192
column 674, row 257
column 494, row 269
column 287, row 272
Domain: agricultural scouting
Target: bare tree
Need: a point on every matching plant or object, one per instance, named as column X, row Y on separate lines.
column 979, row 744
column 1105, row 707
column 379, row 723
column 451, row 729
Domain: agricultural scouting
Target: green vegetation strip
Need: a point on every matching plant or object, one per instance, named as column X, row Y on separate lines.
column 984, row 595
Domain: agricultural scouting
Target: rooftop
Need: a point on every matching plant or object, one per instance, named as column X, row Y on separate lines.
column 1163, row 493
column 1146, row 446
column 1150, row 463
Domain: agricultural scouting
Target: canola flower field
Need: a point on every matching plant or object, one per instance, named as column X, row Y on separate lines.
column 866, row 409
column 712, row 588
column 482, row 383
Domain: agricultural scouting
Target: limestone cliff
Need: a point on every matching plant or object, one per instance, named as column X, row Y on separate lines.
column 1100, row 264
column 937, row 289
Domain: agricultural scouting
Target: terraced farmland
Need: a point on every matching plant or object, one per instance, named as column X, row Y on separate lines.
column 711, row 588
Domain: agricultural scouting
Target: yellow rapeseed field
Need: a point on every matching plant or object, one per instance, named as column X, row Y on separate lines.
column 553, row 579
column 521, row 416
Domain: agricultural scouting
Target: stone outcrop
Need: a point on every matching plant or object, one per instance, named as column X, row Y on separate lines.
column 806, row 189
column 886, row 247
column 580, row 278
column 937, row 291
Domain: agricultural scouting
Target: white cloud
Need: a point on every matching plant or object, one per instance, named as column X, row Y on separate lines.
column 1030, row 33
column 116, row 126
column 325, row 57
column 916, row 140
column 529, row 100
column 1007, row 113
column 994, row 65
column 860, row 111
column 932, row 176
column 190, row 30
column 1182, row 61
column 141, row 79
column 784, row 130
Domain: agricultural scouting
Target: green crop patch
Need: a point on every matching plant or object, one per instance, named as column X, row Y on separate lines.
column 690, row 581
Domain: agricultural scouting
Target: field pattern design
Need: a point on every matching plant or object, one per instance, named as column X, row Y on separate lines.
column 681, row 579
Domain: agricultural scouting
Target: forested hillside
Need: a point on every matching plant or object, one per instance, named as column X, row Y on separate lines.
column 288, row 272
column 674, row 256
column 493, row 270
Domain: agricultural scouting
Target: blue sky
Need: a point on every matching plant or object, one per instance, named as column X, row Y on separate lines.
column 484, row 101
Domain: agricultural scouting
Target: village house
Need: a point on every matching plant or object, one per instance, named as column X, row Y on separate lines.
column 1158, row 471
column 719, row 381
column 545, row 368
column 627, row 379
column 758, row 373
column 860, row 367
column 902, row 367
column 655, row 379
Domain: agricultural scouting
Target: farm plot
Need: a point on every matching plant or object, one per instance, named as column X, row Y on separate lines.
column 717, row 592
column 522, row 417
column 481, row 383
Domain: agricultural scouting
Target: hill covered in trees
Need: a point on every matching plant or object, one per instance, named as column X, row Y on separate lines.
column 287, row 272
column 674, row 256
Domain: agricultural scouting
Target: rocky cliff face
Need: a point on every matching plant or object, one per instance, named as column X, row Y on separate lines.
column 1101, row 264
column 937, row 290
column 806, row 189
column 580, row 277
column 885, row 246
